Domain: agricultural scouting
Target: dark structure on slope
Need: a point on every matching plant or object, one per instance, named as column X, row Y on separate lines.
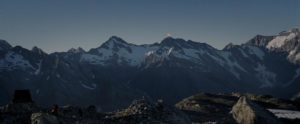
column 22, row 96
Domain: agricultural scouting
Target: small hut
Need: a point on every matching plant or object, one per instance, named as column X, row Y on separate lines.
column 22, row 96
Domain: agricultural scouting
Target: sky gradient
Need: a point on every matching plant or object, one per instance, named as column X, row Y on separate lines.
column 58, row 25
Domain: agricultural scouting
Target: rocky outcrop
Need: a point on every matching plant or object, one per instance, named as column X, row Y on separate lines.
column 43, row 118
column 143, row 111
column 206, row 107
column 247, row 112
column 68, row 115
column 20, row 108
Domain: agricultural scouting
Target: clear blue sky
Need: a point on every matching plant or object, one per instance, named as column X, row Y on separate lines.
column 57, row 25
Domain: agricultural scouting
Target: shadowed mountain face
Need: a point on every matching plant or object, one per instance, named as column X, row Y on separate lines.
column 113, row 74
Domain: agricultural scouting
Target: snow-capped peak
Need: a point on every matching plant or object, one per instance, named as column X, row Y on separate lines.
column 78, row 50
column 260, row 40
column 170, row 41
column 116, row 39
column 229, row 46
column 37, row 50
column 283, row 38
column 114, row 42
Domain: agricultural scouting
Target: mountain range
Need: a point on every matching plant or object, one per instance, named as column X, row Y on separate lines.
column 112, row 75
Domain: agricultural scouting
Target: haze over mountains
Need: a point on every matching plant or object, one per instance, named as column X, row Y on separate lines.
column 113, row 74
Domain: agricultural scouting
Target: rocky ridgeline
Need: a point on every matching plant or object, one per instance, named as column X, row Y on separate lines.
column 117, row 72
column 200, row 108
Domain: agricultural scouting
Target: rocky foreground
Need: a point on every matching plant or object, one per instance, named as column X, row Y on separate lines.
column 232, row 108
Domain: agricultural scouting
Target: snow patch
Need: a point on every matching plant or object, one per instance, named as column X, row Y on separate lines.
column 281, row 40
column 243, row 53
column 92, row 59
column 38, row 70
column 37, row 91
column 297, row 57
column 133, row 55
column 233, row 65
column 137, row 54
column 58, row 75
column 193, row 54
column 92, row 87
column 256, row 51
column 48, row 77
column 294, row 77
column 170, row 50
column 265, row 76
column 281, row 113
column 14, row 60
column 217, row 59
column 149, row 53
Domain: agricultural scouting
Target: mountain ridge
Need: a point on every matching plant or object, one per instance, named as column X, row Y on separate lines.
column 121, row 71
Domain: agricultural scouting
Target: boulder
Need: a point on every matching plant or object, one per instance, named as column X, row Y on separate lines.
column 247, row 112
column 144, row 111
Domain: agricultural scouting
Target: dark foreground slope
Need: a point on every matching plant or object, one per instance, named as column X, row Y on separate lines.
column 207, row 107
column 200, row 108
